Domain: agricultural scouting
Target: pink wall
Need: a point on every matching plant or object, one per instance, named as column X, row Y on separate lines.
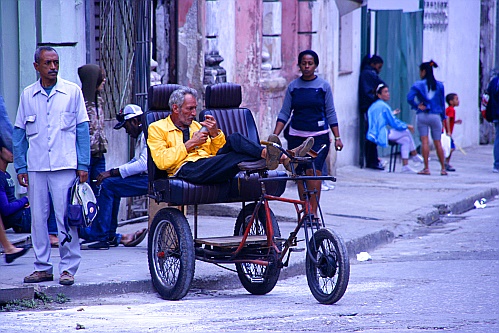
column 248, row 50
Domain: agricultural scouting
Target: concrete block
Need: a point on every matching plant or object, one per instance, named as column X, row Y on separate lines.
column 272, row 18
column 211, row 45
column 305, row 16
column 211, row 17
column 273, row 46
column 9, row 293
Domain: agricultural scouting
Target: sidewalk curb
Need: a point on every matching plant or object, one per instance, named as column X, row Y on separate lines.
column 425, row 216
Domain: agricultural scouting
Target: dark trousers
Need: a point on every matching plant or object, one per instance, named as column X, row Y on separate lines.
column 223, row 166
column 370, row 148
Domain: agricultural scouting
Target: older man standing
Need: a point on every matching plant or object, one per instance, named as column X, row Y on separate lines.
column 51, row 148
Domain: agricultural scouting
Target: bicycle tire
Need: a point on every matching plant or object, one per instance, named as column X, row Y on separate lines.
column 248, row 273
column 171, row 254
column 328, row 279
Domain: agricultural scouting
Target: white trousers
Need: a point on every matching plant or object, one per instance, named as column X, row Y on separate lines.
column 57, row 183
column 404, row 139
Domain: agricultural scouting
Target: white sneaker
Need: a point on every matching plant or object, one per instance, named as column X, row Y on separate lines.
column 418, row 158
column 495, row 170
column 324, row 187
column 329, row 183
column 407, row 169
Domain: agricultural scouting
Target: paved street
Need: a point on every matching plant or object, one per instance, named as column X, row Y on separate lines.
column 441, row 278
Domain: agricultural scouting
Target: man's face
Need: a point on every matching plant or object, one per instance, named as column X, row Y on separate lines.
column 133, row 127
column 378, row 67
column 186, row 113
column 48, row 65
column 6, row 155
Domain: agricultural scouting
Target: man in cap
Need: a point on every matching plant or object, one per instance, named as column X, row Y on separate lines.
column 127, row 180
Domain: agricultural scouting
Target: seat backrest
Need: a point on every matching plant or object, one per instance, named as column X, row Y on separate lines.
column 223, row 100
column 158, row 97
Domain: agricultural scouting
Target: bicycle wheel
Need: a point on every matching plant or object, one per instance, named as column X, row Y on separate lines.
column 328, row 278
column 257, row 279
column 171, row 254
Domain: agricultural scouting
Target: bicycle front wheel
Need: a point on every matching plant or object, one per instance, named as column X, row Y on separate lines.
column 171, row 254
column 327, row 277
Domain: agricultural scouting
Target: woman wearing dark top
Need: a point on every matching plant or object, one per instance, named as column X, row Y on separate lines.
column 309, row 104
column 368, row 81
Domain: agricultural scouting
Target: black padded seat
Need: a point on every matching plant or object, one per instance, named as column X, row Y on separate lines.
column 226, row 97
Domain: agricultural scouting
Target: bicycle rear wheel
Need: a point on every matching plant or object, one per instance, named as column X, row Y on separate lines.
column 257, row 279
column 328, row 278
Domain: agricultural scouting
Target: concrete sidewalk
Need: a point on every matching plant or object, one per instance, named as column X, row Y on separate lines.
column 367, row 208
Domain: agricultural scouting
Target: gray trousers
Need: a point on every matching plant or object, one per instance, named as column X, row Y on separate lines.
column 57, row 183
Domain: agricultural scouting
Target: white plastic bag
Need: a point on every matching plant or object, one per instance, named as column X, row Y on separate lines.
column 446, row 144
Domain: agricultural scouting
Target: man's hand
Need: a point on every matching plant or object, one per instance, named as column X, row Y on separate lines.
column 23, row 179
column 198, row 138
column 83, row 175
column 211, row 124
column 102, row 176
column 410, row 128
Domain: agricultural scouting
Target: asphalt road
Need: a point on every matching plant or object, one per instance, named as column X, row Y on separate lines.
column 441, row 278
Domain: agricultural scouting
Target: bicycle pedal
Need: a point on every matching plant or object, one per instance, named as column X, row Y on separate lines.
column 296, row 249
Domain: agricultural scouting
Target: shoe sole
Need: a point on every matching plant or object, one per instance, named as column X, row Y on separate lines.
column 40, row 280
column 273, row 153
column 66, row 283
column 307, row 145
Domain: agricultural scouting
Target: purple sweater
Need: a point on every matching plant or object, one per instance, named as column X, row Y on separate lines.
column 8, row 202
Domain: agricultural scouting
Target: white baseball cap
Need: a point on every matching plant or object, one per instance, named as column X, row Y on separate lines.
column 128, row 112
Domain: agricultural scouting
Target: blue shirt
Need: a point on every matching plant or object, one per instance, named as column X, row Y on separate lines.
column 434, row 100
column 379, row 116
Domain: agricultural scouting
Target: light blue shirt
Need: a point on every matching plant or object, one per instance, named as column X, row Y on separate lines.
column 51, row 131
column 379, row 116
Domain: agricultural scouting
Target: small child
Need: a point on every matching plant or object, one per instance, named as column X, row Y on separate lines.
column 453, row 101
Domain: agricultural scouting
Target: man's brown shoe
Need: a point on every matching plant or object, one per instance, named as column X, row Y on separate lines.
column 273, row 153
column 39, row 276
column 304, row 148
column 66, row 279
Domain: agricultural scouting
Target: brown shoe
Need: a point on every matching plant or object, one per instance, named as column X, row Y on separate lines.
column 300, row 151
column 273, row 153
column 66, row 279
column 304, row 148
column 39, row 276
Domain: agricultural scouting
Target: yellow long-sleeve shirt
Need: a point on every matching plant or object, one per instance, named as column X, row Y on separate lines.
column 167, row 147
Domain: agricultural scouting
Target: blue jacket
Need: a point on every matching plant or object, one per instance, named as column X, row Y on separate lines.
column 419, row 93
column 493, row 104
column 379, row 115
column 6, row 127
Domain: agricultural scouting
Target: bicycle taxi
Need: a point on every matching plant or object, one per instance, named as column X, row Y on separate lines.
column 256, row 248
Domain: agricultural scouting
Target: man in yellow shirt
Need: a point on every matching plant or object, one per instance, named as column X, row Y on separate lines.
column 200, row 152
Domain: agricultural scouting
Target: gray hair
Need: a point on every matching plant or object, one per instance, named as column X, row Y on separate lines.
column 39, row 51
column 178, row 96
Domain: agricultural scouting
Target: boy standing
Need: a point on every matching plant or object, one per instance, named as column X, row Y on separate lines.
column 453, row 101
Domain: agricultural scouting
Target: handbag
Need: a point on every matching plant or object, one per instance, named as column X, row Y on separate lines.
column 81, row 208
column 74, row 211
